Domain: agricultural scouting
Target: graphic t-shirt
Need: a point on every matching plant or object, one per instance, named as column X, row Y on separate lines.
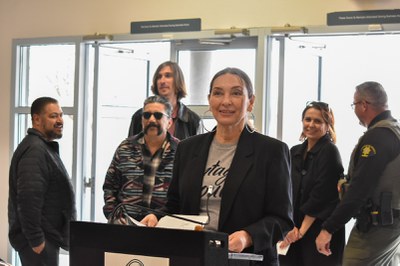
column 219, row 160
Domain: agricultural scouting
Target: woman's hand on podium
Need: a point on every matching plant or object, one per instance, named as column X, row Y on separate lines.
column 150, row 220
column 239, row 240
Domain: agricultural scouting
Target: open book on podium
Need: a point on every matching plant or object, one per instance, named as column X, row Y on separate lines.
column 184, row 222
column 178, row 221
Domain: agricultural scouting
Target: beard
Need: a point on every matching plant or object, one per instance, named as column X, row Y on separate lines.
column 50, row 134
column 150, row 125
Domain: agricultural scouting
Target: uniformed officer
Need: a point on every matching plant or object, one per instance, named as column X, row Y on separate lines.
column 373, row 193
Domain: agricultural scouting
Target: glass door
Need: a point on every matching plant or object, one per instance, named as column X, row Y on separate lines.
column 119, row 80
column 328, row 68
column 119, row 76
column 200, row 59
column 296, row 75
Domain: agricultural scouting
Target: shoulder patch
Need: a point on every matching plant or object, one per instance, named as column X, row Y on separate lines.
column 367, row 150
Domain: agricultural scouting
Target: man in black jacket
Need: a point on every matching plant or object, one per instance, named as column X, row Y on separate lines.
column 41, row 200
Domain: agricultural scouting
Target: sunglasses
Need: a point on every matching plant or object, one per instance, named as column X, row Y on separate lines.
column 318, row 104
column 157, row 115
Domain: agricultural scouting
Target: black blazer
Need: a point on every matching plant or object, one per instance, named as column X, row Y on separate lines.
column 257, row 193
column 315, row 179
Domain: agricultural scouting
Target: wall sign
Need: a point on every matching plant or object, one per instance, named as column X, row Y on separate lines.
column 176, row 25
column 364, row 17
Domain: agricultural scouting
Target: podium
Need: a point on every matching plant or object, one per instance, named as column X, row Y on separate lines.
column 90, row 241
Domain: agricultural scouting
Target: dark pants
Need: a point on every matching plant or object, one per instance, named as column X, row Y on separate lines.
column 379, row 246
column 48, row 257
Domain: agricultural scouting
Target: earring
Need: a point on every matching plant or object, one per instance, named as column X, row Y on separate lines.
column 250, row 123
column 205, row 115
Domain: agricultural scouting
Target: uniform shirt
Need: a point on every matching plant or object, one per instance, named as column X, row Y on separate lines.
column 376, row 148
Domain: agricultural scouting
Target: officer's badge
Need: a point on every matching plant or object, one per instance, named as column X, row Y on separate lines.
column 368, row 150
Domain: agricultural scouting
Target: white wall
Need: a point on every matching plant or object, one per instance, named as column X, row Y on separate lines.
column 44, row 18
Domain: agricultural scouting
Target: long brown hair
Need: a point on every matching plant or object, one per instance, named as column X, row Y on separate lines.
column 179, row 80
column 327, row 115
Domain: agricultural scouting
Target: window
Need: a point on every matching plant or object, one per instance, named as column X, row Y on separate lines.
column 328, row 68
column 200, row 59
column 46, row 70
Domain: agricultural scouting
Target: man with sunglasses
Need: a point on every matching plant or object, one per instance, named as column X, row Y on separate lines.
column 372, row 196
column 168, row 82
column 141, row 170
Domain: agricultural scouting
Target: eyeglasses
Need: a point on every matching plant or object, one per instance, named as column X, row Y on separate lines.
column 353, row 105
column 157, row 115
column 322, row 105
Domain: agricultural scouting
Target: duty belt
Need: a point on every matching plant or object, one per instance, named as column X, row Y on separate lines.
column 379, row 219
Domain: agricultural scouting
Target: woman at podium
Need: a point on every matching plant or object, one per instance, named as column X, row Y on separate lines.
column 235, row 175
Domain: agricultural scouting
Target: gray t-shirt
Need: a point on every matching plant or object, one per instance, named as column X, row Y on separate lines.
column 219, row 160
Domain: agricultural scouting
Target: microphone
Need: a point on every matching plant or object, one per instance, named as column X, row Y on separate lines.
column 209, row 193
column 210, row 190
